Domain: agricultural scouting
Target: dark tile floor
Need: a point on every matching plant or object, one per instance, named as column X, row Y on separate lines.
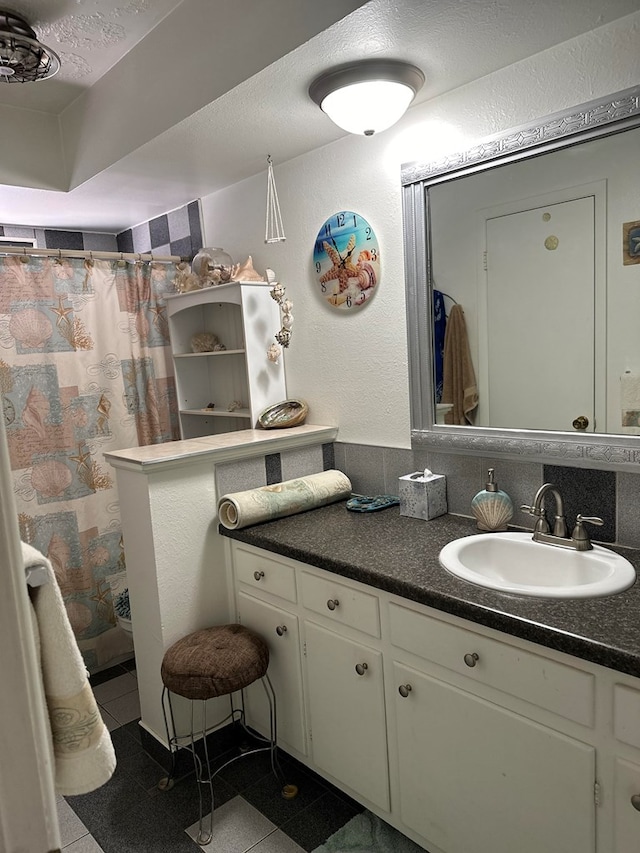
column 131, row 815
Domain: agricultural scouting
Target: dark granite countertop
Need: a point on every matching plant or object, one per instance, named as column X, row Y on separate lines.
column 400, row 555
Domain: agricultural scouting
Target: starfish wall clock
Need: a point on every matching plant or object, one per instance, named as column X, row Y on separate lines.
column 346, row 259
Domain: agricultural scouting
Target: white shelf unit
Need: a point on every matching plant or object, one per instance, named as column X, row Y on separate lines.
column 245, row 319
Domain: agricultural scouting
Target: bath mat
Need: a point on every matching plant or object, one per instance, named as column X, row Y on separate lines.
column 366, row 833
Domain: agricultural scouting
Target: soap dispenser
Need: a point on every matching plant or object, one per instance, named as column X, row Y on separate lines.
column 492, row 507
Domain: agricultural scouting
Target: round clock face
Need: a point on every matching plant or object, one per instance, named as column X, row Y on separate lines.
column 346, row 259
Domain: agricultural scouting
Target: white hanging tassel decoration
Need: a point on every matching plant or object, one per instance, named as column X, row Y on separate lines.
column 274, row 230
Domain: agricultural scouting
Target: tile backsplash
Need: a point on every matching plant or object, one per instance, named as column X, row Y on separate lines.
column 613, row 496
column 374, row 470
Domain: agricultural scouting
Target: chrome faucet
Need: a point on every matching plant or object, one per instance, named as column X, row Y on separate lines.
column 579, row 539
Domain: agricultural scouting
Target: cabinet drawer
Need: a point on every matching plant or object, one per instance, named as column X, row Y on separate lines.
column 627, row 818
column 341, row 603
column 259, row 571
column 548, row 684
column 626, row 715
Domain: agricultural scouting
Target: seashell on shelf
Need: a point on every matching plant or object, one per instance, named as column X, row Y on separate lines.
column 50, row 478
column 204, row 342
column 31, row 328
column 492, row 514
column 245, row 272
column 288, row 413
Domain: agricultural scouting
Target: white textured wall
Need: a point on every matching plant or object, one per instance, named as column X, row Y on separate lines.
column 352, row 366
column 31, row 150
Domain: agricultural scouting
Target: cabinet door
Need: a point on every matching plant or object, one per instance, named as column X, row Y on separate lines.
column 348, row 725
column 476, row 777
column 627, row 810
column 281, row 632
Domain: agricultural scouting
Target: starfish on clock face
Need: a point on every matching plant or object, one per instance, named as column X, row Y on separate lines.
column 342, row 268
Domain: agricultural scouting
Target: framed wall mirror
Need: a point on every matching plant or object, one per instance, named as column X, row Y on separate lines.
column 533, row 237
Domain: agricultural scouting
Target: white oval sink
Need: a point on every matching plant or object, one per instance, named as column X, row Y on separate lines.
column 514, row 563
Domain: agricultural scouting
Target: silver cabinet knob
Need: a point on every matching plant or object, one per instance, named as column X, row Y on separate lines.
column 361, row 668
column 258, row 575
column 333, row 603
column 281, row 630
column 635, row 801
column 471, row 659
column 404, row 690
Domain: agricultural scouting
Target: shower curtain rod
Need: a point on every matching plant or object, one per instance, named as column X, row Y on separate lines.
column 96, row 256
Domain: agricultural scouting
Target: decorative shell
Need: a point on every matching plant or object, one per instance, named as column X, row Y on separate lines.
column 492, row 511
column 273, row 353
column 36, row 412
column 31, row 328
column 50, row 478
column 288, row 413
column 277, row 292
column 245, row 272
column 204, row 342
column 79, row 615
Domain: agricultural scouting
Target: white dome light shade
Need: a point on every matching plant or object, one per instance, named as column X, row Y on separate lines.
column 367, row 97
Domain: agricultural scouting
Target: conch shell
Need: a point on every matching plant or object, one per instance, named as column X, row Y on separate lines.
column 245, row 272
column 35, row 412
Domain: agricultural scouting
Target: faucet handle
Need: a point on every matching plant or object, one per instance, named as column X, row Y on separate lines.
column 580, row 535
column 590, row 520
column 541, row 525
column 532, row 510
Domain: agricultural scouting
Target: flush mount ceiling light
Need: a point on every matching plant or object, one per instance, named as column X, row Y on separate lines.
column 369, row 96
column 23, row 59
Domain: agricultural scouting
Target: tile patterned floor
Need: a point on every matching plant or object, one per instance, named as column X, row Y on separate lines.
column 130, row 815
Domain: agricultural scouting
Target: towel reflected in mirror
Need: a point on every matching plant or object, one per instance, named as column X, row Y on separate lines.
column 459, row 378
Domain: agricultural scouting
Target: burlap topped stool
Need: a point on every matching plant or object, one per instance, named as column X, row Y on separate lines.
column 217, row 661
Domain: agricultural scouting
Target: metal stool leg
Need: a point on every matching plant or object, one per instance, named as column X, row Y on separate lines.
column 289, row 791
column 202, row 769
column 166, row 783
column 203, row 775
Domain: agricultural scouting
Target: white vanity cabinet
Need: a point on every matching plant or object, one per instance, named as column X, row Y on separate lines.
column 474, row 775
column 460, row 736
column 626, row 827
column 265, row 597
column 345, row 685
column 626, row 730
column 245, row 319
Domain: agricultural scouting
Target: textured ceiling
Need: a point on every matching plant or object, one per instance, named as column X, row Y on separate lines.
column 89, row 36
column 129, row 158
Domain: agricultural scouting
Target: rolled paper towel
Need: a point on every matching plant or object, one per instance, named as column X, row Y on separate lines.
column 240, row 509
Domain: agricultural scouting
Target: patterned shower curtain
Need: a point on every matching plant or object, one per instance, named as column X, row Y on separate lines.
column 85, row 368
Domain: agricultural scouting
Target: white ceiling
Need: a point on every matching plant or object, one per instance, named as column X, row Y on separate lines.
column 89, row 36
column 135, row 143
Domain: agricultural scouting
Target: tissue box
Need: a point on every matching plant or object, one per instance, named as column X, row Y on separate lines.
column 423, row 496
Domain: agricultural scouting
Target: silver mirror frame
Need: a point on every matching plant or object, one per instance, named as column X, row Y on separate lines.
column 613, row 114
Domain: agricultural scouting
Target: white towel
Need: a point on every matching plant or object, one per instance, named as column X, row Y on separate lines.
column 82, row 747
column 630, row 403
